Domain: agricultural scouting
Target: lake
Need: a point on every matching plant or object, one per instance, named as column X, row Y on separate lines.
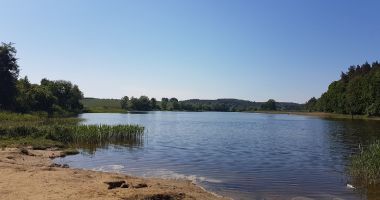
column 240, row 155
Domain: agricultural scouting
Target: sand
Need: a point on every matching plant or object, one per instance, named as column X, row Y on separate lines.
column 30, row 174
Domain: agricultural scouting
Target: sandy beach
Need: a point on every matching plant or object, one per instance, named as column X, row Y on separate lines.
column 31, row 174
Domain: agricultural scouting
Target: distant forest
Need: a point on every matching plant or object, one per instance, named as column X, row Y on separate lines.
column 144, row 103
column 356, row 93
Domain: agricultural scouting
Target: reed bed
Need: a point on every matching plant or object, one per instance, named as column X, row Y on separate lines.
column 95, row 134
column 34, row 129
column 365, row 166
column 76, row 134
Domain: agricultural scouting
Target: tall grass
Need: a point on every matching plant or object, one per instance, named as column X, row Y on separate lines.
column 95, row 134
column 365, row 166
column 76, row 134
column 15, row 127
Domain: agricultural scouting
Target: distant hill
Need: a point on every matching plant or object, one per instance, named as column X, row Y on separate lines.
column 245, row 105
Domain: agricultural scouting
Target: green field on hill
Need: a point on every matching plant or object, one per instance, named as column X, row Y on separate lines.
column 94, row 105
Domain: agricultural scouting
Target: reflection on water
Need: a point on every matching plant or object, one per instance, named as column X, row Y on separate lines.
column 132, row 142
column 242, row 155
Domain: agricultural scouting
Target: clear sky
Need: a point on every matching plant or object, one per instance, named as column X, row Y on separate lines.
column 288, row 50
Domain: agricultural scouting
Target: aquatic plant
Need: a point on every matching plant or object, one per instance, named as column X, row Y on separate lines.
column 28, row 129
column 365, row 166
column 94, row 134
column 75, row 134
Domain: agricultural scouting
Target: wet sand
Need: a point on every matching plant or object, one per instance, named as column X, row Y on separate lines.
column 31, row 174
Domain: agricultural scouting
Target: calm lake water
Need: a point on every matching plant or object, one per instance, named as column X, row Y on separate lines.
column 240, row 155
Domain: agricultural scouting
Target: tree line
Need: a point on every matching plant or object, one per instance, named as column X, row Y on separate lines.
column 357, row 92
column 19, row 95
column 145, row 103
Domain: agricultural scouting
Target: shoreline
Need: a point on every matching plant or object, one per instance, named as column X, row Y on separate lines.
column 303, row 113
column 31, row 174
column 322, row 115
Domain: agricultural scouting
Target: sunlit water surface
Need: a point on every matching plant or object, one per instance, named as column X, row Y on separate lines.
column 240, row 155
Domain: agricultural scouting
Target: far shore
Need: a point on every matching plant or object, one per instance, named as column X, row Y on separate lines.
column 321, row 115
column 305, row 113
column 31, row 174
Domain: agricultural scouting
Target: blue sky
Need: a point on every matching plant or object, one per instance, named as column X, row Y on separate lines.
column 288, row 50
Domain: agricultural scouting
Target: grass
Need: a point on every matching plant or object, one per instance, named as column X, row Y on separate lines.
column 94, row 134
column 74, row 135
column 365, row 166
column 94, row 105
column 104, row 109
column 35, row 143
column 16, row 119
column 41, row 132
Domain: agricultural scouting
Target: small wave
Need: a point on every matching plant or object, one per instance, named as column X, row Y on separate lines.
column 168, row 174
column 109, row 168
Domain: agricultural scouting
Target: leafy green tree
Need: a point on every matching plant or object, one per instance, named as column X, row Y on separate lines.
column 164, row 103
column 140, row 104
column 68, row 95
column 269, row 105
column 144, row 103
column 374, row 108
column 124, row 102
column 23, row 98
column 188, row 106
column 311, row 104
column 42, row 99
column 174, row 104
column 61, row 97
column 356, row 93
column 355, row 97
column 153, row 103
column 9, row 71
column 133, row 103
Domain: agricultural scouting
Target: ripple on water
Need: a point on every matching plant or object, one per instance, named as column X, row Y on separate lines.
column 242, row 155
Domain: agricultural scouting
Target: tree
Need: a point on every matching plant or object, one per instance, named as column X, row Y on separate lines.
column 133, row 103
column 140, row 104
column 42, row 99
column 153, row 103
column 23, row 99
column 144, row 103
column 356, row 93
column 311, row 104
column 355, row 105
column 174, row 104
column 269, row 105
column 67, row 95
column 9, row 71
column 124, row 102
column 164, row 103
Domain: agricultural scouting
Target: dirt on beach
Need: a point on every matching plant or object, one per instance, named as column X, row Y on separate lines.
column 31, row 174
